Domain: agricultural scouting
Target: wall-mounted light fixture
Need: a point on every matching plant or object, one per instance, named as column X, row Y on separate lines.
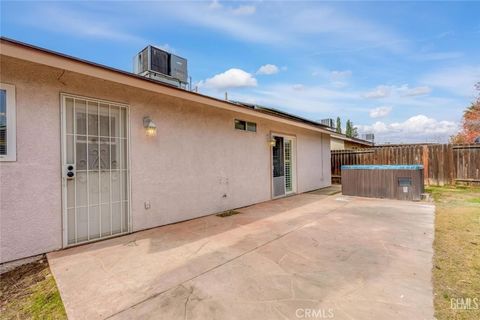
column 150, row 127
column 271, row 141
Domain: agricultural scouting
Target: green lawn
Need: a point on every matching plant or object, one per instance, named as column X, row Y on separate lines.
column 456, row 265
column 30, row 292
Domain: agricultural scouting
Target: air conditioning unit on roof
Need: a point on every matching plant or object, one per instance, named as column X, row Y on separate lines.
column 160, row 65
column 369, row 137
column 328, row 122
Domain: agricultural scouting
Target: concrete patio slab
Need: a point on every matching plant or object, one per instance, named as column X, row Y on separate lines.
column 293, row 258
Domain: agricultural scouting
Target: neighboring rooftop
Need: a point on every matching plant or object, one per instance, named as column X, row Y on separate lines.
column 341, row 136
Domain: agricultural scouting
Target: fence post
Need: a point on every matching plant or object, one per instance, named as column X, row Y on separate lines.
column 426, row 177
column 453, row 168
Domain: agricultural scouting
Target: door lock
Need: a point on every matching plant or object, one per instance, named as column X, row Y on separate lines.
column 70, row 171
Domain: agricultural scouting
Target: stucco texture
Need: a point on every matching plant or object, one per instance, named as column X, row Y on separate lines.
column 184, row 172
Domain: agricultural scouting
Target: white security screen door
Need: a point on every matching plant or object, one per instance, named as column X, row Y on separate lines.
column 95, row 169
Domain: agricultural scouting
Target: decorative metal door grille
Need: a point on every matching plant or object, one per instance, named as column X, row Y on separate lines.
column 288, row 165
column 95, row 173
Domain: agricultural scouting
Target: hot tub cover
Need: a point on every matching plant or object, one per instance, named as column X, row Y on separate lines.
column 383, row 167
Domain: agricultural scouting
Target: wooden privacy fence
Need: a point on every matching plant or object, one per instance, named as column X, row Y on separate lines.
column 443, row 163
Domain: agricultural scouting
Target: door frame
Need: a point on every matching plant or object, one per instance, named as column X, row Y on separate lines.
column 293, row 138
column 63, row 156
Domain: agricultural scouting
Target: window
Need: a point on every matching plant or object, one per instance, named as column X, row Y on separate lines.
column 240, row 125
column 7, row 123
column 245, row 126
column 251, row 126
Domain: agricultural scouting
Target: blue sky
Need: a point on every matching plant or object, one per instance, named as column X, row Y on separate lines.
column 402, row 70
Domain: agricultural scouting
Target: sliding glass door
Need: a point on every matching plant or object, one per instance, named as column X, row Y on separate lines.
column 283, row 166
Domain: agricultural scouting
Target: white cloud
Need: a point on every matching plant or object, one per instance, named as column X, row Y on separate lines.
column 333, row 27
column 232, row 78
column 338, row 78
column 339, row 84
column 340, row 75
column 459, row 80
column 222, row 19
column 419, row 128
column 315, row 101
column 79, row 24
column 437, row 56
column 380, row 112
column 416, row 91
column 244, row 10
column 381, row 91
column 345, row 29
column 215, row 4
column 268, row 69
column 240, row 10
column 333, row 75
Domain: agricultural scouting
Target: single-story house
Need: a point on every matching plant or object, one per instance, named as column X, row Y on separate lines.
column 90, row 152
column 339, row 141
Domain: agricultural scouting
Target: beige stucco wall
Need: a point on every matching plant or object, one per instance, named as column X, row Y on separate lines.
column 184, row 171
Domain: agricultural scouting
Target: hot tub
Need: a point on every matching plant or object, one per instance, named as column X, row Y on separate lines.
column 403, row 182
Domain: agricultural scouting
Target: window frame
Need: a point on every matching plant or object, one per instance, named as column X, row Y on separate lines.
column 235, row 121
column 246, row 125
column 11, row 123
column 249, row 123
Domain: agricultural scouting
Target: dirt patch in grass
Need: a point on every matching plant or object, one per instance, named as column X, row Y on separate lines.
column 456, row 271
column 30, row 292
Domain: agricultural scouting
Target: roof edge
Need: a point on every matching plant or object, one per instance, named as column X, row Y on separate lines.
column 150, row 84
